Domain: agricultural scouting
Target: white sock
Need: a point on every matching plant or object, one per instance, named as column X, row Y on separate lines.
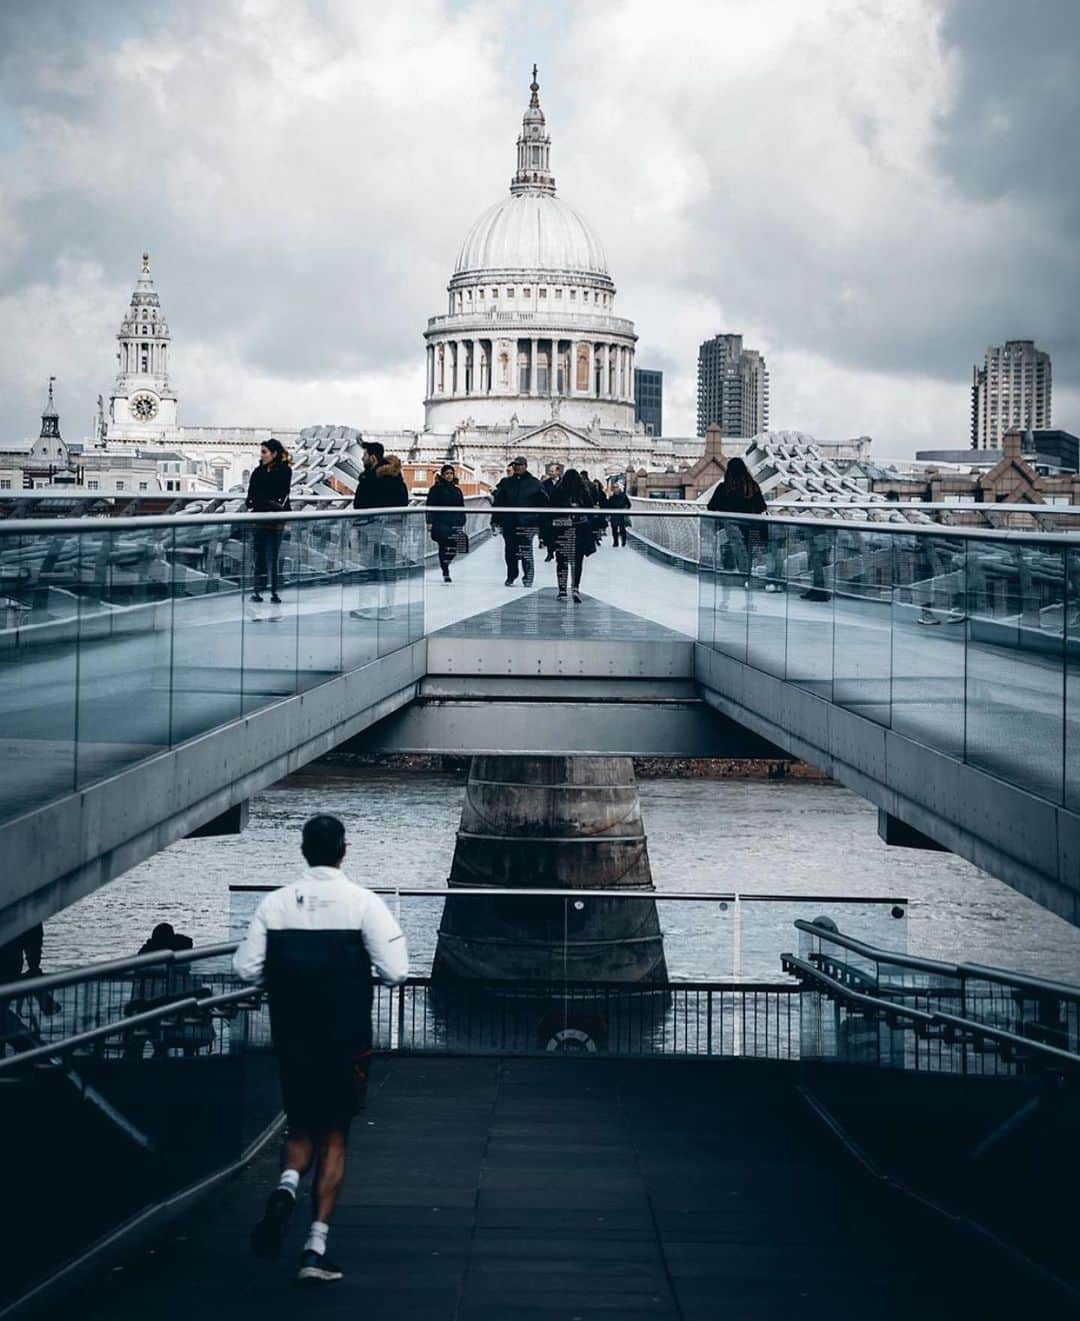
column 316, row 1239
column 289, row 1181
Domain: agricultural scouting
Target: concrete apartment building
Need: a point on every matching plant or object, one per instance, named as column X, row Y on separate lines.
column 1012, row 389
column 733, row 387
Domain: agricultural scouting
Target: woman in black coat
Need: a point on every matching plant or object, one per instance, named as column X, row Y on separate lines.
column 446, row 528
column 738, row 493
column 573, row 532
column 268, row 493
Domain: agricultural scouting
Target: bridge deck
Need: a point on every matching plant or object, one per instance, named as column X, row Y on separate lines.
column 483, row 1190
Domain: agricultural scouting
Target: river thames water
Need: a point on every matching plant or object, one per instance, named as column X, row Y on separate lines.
column 787, row 837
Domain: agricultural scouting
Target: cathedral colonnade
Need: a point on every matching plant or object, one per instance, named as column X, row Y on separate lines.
column 529, row 365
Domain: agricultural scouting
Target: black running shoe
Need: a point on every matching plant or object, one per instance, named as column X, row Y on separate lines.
column 317, row 1268
column 275, row 599
column 267, row 1235
column 256, row 598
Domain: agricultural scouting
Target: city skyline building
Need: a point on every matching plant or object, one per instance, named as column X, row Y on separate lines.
column 733, row 387
column 649, row 400
column 1013, row 388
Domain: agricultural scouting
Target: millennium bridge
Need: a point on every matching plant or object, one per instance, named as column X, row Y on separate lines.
column 861, row 1133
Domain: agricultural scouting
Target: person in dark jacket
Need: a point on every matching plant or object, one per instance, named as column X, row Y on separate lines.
column 380, row 485
column 618, row 499
column 519, row 490
column 165, row 937
column 446, row 528
column 738, row 493
column 26, row 948
column 599, row 495
column 574, row 534
column 268, row 493
column 314, row 945
column 553, row 476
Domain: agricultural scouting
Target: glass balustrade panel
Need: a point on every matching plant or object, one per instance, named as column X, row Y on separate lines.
column 708, row 535
column 318, row 589
column 862, row 648
column 767, row 598
column 810, row 608
column 1072, row 680
column 125, row 649
column 359, row 616
column 40, row 581
column 271, row 628
column 208, row 628
column 1016, row 622
column 928, row 644
column 732, row 598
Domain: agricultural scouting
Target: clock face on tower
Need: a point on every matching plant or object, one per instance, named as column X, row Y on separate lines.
column 144, row 407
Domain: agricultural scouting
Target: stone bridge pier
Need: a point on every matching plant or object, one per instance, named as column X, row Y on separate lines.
column 564, row 823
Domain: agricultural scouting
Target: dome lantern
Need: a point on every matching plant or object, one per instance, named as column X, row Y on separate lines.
column 533, row 149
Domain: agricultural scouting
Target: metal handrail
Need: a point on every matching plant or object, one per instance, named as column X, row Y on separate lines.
column 93, row 971
column 891, row 1010
column 89, row 972
column 975, row 971
column 52, row 526
column 121, row 1025
column 792, row 962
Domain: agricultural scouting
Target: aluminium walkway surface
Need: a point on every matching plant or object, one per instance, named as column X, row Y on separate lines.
column 575, row 1189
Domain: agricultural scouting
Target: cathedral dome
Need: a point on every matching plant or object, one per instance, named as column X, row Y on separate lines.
column 531, row 231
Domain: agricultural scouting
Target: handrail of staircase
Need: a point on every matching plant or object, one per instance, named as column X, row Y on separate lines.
column 52, row 981
column 971, row 971
column 120, row 1026
column 890, row 1010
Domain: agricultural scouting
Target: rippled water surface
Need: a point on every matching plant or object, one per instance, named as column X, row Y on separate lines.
column 750, row 836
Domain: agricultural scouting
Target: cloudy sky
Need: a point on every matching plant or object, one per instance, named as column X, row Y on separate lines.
column 870, row 190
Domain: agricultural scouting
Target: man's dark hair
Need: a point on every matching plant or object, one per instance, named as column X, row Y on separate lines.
column 323, row 843
column 375, row 447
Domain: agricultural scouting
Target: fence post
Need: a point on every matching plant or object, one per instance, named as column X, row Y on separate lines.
column 708, row 1021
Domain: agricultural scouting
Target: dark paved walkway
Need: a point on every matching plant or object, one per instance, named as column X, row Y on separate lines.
column 572, row 1190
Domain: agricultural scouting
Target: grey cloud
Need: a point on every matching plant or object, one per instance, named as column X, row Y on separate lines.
column 1011, row 130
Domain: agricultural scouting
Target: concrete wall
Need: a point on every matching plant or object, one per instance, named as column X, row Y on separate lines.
column 1028, row 842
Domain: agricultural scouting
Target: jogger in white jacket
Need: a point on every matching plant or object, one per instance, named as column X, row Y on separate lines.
column 314, row 945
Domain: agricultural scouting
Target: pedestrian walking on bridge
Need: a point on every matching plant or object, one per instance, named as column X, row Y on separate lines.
column 522, row 491
column 314, row 946
column 575, row 536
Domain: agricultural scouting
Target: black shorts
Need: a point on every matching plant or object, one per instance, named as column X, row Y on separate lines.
column 321, row 1093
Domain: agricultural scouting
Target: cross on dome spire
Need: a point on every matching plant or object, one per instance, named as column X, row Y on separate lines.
column 533, row 149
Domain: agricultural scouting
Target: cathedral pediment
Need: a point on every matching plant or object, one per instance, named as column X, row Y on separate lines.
column 556, row 435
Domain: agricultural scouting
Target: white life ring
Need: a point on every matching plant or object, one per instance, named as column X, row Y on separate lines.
column 571, row 1041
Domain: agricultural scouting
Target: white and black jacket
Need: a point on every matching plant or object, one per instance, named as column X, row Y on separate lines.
column 314, row 945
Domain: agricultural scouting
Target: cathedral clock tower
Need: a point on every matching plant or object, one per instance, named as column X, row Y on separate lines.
column 143, row 403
